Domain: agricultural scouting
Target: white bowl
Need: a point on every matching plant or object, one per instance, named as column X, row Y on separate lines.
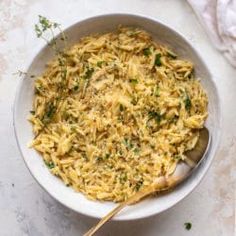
column 53, row 185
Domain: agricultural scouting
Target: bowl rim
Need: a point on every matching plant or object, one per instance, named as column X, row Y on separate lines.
column 217, row 139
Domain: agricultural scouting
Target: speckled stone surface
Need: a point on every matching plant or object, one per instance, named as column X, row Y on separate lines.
column 25, row 209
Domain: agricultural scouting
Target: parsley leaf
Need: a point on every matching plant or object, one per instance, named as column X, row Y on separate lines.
column 99, row 159
column 136, row 151
column 50, row 164
column 128, row 143
column 121, row 108
column 88, row 74
column 99, row 63
column 138, row 185
column 146, row 52
column 133, row 81
column 155, row 115
column 157, row 60
column 76, row 87
column 187, row 103
column 84, row 156
column 49, row 112
column 123, row 177
column 107, row 155
column 157, row 92
column 188, row 225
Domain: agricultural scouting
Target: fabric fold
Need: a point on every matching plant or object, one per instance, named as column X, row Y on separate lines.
column 218, row 17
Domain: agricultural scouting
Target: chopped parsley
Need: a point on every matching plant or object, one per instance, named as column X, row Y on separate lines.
column 73, row 128
column 85, row 156
column 50, row 164
column 49, row 112
column 99, row 159
column 136, row 151
column 188, row 225
column 123, row 177
column 121, row 108
column 61, row 62
column 63, row 74
column 120, row 152
column 187, row 103
column 99, row 63
column 174, row 119
column 133, row 81
column 155, row 115
column 138, row 185
column 134, row 101
column 146, row 52
column 177, row 157
column 157, row 92
column 152, row 146
column 38, row 90
column 107, row 155
column 157, row 60
column 32, row 112
column 76, row 87
column 128, row 143
column 88, row 74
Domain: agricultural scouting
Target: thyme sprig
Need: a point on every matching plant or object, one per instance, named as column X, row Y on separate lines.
column 46, row 30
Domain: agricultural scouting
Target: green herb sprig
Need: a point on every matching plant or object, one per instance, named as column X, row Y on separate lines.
column 46, row 30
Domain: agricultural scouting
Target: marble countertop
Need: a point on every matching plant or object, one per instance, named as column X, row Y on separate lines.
column 26, row 209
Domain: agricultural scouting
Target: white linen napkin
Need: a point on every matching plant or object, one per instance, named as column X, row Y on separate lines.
column 218, row 17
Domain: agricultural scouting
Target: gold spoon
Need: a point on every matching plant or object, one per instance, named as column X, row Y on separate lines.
column 193, row 159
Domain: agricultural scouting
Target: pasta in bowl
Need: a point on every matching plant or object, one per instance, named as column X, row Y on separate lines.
column 128, row 110
column 124, row 112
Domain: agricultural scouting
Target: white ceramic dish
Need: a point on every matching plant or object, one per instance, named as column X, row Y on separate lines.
column 53, row 185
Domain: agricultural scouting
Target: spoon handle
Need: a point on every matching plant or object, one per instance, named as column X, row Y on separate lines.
column 135, row 198
column 105, row 219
